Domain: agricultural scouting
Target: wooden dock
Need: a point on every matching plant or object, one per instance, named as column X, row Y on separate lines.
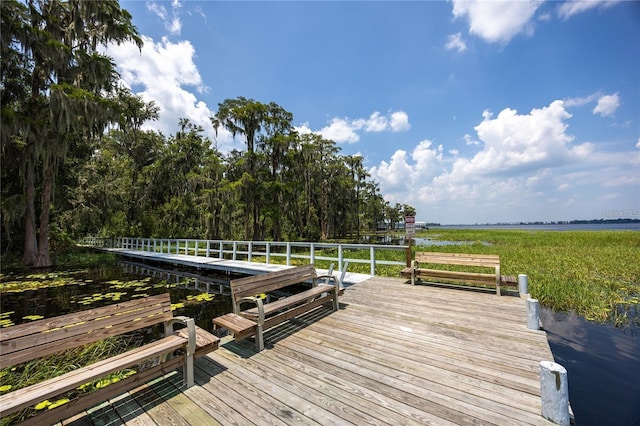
column 212, row 263
column 393, row 354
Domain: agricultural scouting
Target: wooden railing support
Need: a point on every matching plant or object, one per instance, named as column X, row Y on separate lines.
column 523, row 284
column 533, row 314
column 554, row 390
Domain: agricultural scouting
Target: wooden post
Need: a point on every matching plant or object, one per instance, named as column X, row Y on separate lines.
column 554, row 393
column 523, row 284
column 533, row 314
column 408, row 253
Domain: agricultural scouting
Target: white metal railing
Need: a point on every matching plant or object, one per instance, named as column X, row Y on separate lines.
column 259, row 251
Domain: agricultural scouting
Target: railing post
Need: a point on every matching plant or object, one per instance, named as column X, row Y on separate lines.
column 268, row 250
column 533, row 314
column 221, row 251
column 312, row 254
column 249, row 249
column 372, row 251
column 523, row 284
column 208, row 248
column 554, row 390
column 288, row 254
column 339, row 254
column 235, row 249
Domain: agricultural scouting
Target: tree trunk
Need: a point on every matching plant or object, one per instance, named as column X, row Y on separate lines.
column 30, row 241
column 44, row 258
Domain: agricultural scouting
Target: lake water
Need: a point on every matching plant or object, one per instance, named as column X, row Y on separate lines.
column 63, row 291
column 603, row 368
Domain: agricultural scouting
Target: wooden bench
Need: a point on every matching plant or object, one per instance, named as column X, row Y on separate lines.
column 27, row 342
column 261, row 316
column 418, row 271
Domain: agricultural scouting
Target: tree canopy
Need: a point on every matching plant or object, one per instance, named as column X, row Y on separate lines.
column 76, row 160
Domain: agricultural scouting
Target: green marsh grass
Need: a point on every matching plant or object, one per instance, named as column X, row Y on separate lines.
column 594, row 273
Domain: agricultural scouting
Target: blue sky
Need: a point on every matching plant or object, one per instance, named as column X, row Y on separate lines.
column 472, row 112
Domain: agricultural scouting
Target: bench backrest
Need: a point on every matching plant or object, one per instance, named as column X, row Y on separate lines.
column 264, row 283
column 25, row 342
column 486, row 260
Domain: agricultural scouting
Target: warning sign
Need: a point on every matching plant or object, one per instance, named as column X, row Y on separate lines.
column 410, row 226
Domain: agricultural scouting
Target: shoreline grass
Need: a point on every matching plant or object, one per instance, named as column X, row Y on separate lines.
column 594, row 273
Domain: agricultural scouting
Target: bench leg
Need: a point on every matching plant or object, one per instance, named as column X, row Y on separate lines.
column 187, row 371
column 336, row 305
column 259, row 338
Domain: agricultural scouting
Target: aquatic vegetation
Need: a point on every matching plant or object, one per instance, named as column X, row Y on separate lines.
column 202, row 297
column 175, row 306
column 5, row 321
column 33, row 317
column 594, row 273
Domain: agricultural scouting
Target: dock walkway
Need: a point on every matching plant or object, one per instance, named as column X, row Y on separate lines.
column 393, row 354
column 225, row 265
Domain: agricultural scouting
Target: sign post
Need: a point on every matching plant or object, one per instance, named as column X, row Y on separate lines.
column 410, row 227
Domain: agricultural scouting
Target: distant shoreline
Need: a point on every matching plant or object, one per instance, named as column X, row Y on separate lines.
column 587, row 226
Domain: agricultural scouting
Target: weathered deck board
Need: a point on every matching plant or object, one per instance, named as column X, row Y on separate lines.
column 394, row 354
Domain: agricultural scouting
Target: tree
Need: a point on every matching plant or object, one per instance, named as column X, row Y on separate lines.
column 65, row 102
column 249, row 118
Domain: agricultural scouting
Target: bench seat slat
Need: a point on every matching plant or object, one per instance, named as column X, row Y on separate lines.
column 265, row 315
column 458, row 260
column 31, row 347
column 438, row 273
column 66, row 320
column 250, row 286
column 41, row 391
column 290, row 301
column 420, row 270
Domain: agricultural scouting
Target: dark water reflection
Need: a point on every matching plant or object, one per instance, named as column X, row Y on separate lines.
column 72, row 291
column 603, row 367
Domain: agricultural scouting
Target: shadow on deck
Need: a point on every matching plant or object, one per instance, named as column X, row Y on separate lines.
column 393, row 354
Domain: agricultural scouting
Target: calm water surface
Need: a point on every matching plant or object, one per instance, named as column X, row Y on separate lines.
column 603, row 368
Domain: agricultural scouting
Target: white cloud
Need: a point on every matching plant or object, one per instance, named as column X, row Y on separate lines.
column 572, row 7
column 455, row 42
column 580, row 101
column 497, row 21
column 514, row 142
column 340, row 130
column 172, row 23
column 375, row 123
column 607, row 105
column 344, row 130
column 528, row 168
column 164, row 72
column 399, row 121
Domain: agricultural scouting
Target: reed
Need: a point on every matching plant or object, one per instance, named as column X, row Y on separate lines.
column 594, row 273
